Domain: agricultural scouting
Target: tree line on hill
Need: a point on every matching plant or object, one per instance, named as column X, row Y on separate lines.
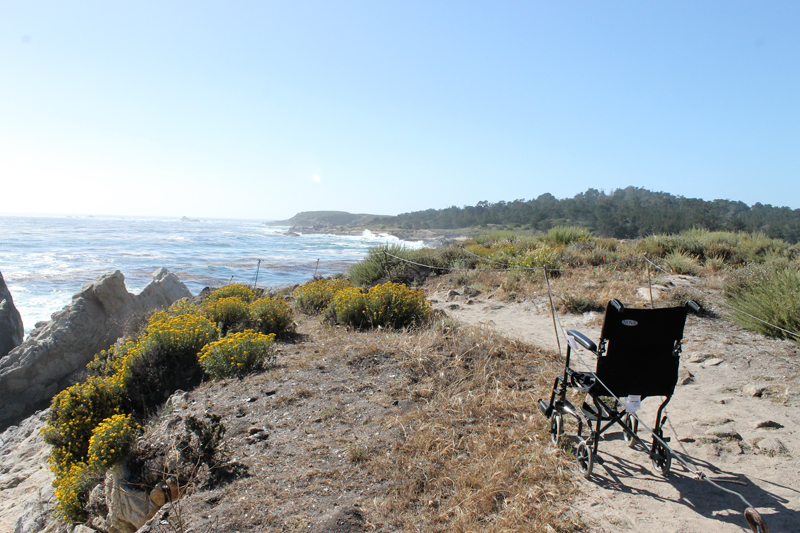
column 624, row 214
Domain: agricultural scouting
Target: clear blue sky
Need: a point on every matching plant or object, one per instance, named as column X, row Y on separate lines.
column 262, row 109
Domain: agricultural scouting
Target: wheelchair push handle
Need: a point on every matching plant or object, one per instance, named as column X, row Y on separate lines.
column 694, row 306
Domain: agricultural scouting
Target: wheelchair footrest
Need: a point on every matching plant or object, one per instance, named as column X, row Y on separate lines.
column 545, row 408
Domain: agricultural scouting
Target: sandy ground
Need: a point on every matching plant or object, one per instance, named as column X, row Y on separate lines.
column 728, row 433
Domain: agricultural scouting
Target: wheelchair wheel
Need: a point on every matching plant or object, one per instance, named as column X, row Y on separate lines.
column 556, row 428
column 663, row 459
column 632, row 424
column 585, row 458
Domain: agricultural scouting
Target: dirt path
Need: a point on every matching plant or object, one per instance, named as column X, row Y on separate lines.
column 729, row 432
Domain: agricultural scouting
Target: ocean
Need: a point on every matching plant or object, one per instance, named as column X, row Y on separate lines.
column 47, row 259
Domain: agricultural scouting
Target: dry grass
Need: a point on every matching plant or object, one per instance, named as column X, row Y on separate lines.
column 476, row 456
column 596, row 286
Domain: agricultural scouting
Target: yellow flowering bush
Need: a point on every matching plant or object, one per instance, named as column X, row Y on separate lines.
column 74, row 413
column 72, row 486
column 179, row 334
column 234, row 290
column 315, row 296
column 272, row 315
column 229, row 311
column 394, row 304
column 238, row 353
column 348, row 307
column 183, row 307
column 111, row 441
column 110, row 362
column 390, row 304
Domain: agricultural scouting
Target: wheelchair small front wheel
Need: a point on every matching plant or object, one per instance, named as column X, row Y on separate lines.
column 556, row 428
column 632, row 423
column 585, row 458
column 663, row 458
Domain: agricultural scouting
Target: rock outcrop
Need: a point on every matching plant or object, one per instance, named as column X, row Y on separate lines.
column 26, row 482
column 128, row 507
column 56, row 351
column 11, row 330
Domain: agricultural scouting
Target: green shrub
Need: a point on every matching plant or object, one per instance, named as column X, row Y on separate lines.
column 238, row 354
column 768, row 293
column 715, row 264
column 154, row 374
column 757, row 247
column 234, row 290
column 111, row 441
column 202, row 441
column 230, row 311
column 565, row 235
column 89, row 425
column 496, row 236
column 544, row 256
column 315, row 296
column 382, row 264
column 681, row 262
column 579, row 305
column 74, row 413
column 272, row 315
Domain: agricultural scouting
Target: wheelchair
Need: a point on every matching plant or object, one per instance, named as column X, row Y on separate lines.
column 637, row 356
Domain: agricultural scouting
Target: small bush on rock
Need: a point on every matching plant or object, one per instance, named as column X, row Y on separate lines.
column 74, row 413
column 202, row 441
column 72, row 487
column 111, row 441
column 238, row 354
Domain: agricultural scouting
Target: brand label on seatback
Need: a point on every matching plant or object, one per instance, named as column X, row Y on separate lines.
column 629, row 323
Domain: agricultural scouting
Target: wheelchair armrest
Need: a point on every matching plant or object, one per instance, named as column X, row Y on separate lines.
column 582, row 339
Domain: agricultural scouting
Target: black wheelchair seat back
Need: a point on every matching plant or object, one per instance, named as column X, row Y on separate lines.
column 642, row 351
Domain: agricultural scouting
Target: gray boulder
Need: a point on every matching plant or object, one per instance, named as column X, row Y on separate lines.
column 11, row 330
column 55, row 352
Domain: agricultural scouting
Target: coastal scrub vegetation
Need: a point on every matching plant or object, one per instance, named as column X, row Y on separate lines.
column 93, row 424
column 762, row 271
